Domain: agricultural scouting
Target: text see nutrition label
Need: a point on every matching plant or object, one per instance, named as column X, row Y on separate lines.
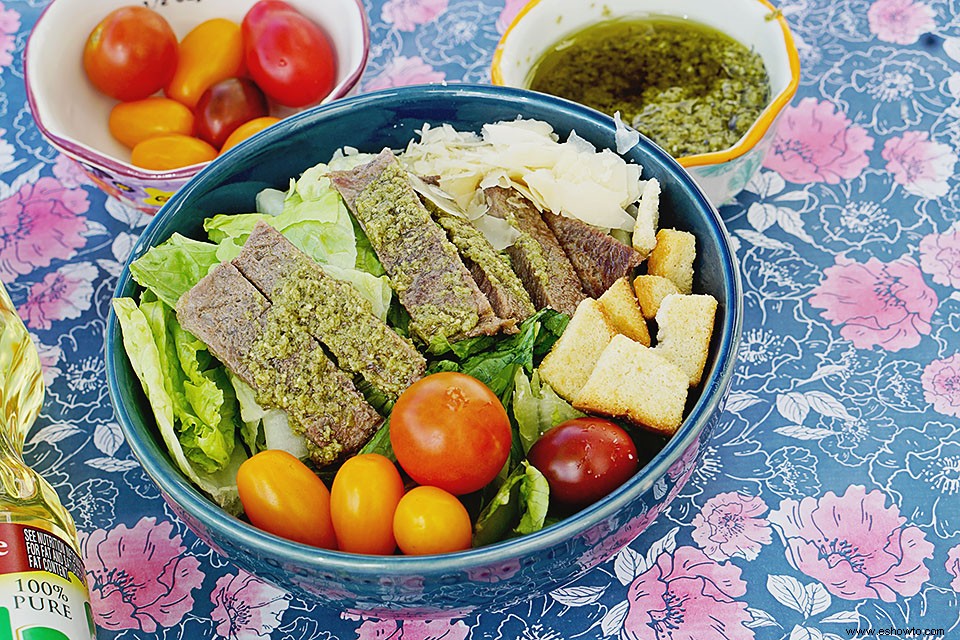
column 43, row 595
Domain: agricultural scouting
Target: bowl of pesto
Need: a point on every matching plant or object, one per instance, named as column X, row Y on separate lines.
column 705, row 81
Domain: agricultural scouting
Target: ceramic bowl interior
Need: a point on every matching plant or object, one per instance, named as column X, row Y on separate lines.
column 72, row 114
column 516, row 568
column 755, row 23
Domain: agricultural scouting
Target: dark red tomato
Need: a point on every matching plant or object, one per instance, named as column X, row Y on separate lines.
column 225, row 106
column 131, row 54
column 584, row 459
column 449, row 430
column 287, row 54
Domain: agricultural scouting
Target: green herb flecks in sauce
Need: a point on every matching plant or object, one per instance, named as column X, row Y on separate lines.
column 687, row 86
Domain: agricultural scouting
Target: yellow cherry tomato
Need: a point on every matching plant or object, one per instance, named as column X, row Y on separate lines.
column 246, row 130
column 134, row 122
column 172, row 151
column 363, row 499
column 431, row 520
column 211, row 52
column 283, row 496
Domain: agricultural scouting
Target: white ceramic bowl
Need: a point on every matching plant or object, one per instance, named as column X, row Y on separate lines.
column 72, row 115
column 755, row 23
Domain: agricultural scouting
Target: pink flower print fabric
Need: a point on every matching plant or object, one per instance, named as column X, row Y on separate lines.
column 141, row 577
column 877, row 304
column 854, row 544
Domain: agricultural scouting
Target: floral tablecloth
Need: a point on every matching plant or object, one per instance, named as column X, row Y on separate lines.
column 828, row 499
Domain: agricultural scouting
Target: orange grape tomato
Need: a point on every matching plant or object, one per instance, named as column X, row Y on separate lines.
column 430, row 520
column 131, row 53
column 171, row 151
column 211, row 52
column 282, row 496
column 247, row 129
column 135, row 121
column 363, row 499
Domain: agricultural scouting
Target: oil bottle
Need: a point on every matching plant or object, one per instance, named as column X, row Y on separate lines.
column 43, row 592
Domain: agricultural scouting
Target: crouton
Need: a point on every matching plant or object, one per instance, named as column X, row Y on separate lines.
column 570, row 361
column 673, row 258
column 650, row 291
column 684, row 327
column 622, row 310
column 635, row 382
column 648, row 218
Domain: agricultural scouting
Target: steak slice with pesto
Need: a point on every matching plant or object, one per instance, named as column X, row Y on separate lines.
column 490, row 269
column 330, row 310
column 425, row 270
column 284, row 365
column 598, row 258
column 536, row 256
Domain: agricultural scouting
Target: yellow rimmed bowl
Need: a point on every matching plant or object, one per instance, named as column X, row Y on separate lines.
column 755, row 23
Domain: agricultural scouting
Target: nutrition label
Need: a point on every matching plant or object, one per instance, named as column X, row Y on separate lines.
column 43, row 595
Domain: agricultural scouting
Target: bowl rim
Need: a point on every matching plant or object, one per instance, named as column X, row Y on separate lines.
column 88, row 155
column 757, row 130
column 170, row 479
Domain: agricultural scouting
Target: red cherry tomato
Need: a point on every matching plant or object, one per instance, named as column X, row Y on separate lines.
column 225, row 106
column 131, row 53
column 584, row 459
column 363, row 499
column 287, row 54
column 283, row 496
column 449, row 430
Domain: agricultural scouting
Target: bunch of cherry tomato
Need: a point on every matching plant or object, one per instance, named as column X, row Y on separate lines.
column 451, row 437
column 217, row 82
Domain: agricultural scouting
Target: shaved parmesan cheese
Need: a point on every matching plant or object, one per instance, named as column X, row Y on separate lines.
column 625, row 137
column 498, row 232
column 648, row 218
column 569, row 178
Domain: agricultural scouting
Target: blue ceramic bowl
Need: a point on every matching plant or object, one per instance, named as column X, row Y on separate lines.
column 502, row 573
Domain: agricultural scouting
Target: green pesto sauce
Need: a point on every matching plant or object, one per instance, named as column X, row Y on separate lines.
column 318, row 303
column 687, row 86
column 306, row 381
column 472, row 244
column 451, row 310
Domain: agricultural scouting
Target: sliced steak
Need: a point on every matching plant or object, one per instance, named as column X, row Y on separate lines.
column 424, row 267
column 598, row 258
column 228, row 314
column 536, row 257
column 490, row 269
column 330, row 310
column 285, row 366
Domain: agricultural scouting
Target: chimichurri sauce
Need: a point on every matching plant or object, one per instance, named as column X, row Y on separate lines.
column 687, row 86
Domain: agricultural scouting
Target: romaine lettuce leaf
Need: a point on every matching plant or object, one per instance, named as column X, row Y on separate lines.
column 519, row 507
column 172, row 267
column 537, row 408
column 145, row 359
column 313, row 218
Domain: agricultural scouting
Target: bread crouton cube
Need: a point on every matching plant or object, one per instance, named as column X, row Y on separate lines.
column 623, row 311
column 648, row 218
column 635, row 382
column 684, row 328
column 673, row 258
column 650, row 291
column 569, row 363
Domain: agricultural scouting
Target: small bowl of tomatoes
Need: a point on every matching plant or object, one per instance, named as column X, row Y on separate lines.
column 142, row 96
